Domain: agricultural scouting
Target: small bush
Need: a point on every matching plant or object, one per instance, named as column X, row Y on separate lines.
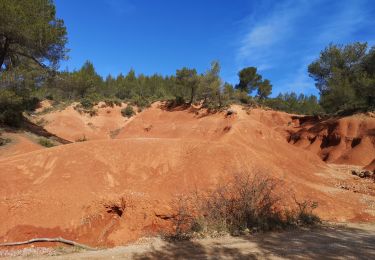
column 128, row 111
column 245, row 203
column 46, row 142
column 91, row 111
column 109, row 103
column 4, row 141
column 11, row 107
column 305, row 215
column 140, row 102
column 87, row 103
column 112, row 102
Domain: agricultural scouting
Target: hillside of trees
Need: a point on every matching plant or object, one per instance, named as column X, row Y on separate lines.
column 33, row 41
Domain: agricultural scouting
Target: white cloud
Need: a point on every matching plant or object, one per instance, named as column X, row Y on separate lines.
column 283, row 43
column 257, row 44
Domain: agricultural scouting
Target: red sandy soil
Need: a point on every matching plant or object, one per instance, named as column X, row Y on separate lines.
column 371, row 166
column 20, row 143
column 72, row 125
column 44, row 105
column 75, row 190
column 346, row 140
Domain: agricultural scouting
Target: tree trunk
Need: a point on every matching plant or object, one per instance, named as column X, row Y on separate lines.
column 3, row 52
column 192, row 95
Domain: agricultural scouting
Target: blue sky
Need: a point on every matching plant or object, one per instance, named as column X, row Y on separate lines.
column 279, row 37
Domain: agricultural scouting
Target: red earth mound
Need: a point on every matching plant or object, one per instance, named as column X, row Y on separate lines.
column 109, row 192
column 346, row 140
column 72, row 125
column 20, row 143
column 371, row 166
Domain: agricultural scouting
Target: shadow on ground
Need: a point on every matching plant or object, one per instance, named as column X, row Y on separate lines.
column 318, row 243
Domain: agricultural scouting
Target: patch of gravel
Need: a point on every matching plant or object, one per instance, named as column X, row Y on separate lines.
column 38, row 251
column 30, row 251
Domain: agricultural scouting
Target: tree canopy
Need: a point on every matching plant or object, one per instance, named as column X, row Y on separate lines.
column 250, row 80
column 33, row 39
column 188, row 79
column 345, row 76
column 30, row 33
column 32, row 42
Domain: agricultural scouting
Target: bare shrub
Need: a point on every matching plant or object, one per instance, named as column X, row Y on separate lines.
column 182, row 217
column 304, row 214
column 245, row 203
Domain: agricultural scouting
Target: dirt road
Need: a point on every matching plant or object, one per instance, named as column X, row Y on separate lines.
column 350, row 241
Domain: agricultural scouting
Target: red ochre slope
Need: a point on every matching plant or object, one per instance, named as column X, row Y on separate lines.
column 109, row 192
column 347, row 140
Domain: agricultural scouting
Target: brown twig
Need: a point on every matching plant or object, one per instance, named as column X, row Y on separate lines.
column 43, row 239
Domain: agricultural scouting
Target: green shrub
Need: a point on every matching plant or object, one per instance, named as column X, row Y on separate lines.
column 128, row 111
column 87, row 103
column 11, row 107
column 46, row 142
column 112, row 102
column 177, row 101
column 140, row 102
column 109, row 103
column 88, row 110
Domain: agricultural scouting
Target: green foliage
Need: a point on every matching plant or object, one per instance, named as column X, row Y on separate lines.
column 291, row 103
column 140, row 102
column 264, row 89
column 128, row 111
column 188, row 81
column 345, row 77
column 32, row 41
column 13, row 101
column 112, row 102
column 11, row 106
column 249, row 79
column 87, row 103
column 30, row 32
column 209, row 87
column 46, row 142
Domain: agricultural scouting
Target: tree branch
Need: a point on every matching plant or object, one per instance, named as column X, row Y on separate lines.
column 43, row 239
column 32, row 58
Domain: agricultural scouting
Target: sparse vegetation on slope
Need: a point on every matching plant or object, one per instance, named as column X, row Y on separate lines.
column 46, row 142
column 245, row 204
column 128, row 111
column 4, row 141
